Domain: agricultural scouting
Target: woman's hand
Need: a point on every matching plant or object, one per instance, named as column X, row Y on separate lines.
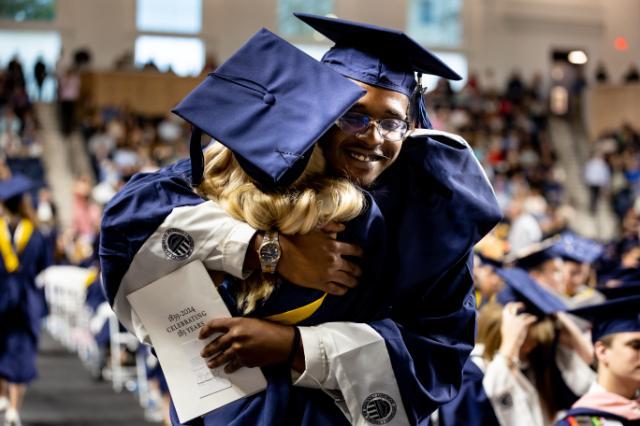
column 246, row 342
column 514, row 329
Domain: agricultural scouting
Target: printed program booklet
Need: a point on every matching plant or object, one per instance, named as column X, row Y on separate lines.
column 173, row 309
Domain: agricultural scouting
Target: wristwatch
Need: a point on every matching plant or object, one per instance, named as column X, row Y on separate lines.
column 269, row 252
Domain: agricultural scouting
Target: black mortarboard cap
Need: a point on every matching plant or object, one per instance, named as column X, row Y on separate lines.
column 613, row 316
column 269, row 103
column 15, row 186
column 520, row 287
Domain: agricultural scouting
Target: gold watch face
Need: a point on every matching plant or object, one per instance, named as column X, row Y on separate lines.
column 270, row 252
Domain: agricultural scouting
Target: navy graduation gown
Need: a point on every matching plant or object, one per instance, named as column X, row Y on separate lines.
column 23, row 306
column 471, row 407
column 435, row 205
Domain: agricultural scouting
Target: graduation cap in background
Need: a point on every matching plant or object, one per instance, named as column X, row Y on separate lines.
column 613, row 316
column 269, row 103
column 623, row 290
column 578, row 249
column 15, row 186
column 491, row 250
column 520, row 287
column 490, row 261
column 535, row 254
column 380, row 57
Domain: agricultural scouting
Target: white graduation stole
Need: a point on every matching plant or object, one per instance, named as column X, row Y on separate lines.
column 23, row 233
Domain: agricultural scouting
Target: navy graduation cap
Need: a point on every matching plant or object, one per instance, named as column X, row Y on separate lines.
column 488, row 260
column 15, row 186
column 613, row 316
column 269, row 103
column 522, row 288
column 380, row 57
column 578, row 249
column 536, row 254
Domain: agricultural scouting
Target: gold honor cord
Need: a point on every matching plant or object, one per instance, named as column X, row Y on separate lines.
column 23, row 235
column 297, row 315
column 93, row 274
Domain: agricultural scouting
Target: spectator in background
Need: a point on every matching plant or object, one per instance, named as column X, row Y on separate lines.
column 124, row 62
column 602, row 76
column 515, row 90
column 525, row 229
column 632, row 75
column 40, row 73
column 613, row 399
column 68, row 95
column 597, row 177
column 86, row 213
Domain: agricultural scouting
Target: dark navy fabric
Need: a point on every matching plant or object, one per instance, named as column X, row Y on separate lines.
column 622, row 275
column 471, row 407
column 95, row 295
column 22, row 307
column 587, row 414
column 279, row 404
column 269, row 103
column 435, row 204
column 135, row 213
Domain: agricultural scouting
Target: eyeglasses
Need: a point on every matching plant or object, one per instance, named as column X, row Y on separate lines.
column 391, row 129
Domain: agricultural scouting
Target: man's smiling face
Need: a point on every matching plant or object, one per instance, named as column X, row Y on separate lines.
column 363, row 157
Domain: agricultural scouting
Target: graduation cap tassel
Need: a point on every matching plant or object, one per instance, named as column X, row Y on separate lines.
column 422, row 119
column 197, row 157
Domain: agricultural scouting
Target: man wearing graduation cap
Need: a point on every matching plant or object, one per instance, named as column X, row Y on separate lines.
column 615, row 398
column 578, row 254
column 24, row 253
column 436, row 201
column 543, row 261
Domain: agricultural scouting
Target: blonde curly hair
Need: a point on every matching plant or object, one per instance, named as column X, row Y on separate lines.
column 313, row 200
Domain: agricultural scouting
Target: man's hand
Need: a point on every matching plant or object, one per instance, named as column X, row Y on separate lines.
column 316, row 260
column 246, row 342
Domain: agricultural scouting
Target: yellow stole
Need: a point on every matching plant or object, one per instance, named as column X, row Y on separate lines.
column 23, row 234
column 93, row 274
column 297, row 315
